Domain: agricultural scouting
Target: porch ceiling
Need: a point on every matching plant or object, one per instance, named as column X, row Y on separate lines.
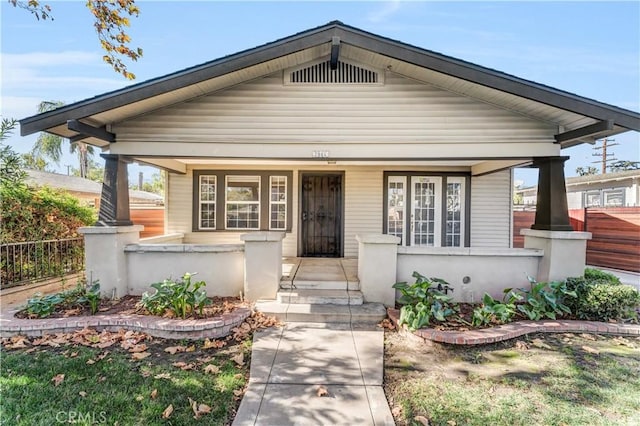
column 543, row 103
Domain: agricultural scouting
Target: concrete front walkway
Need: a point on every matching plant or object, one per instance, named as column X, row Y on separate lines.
column 289, row 365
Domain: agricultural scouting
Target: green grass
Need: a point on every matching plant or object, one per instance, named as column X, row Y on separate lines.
column 564, row 385
column 117, row 389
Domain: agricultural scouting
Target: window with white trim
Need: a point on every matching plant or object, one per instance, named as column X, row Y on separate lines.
column 425, row 210
column 278, row 202
column 207, row 202
column 613, row 197
column 454, row 227
column 592, row 199
column 242, row 198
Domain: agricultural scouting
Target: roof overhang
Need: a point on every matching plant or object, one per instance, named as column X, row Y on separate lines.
column 579, row 119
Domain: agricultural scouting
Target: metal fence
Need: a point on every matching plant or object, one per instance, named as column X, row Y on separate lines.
column 21, row 263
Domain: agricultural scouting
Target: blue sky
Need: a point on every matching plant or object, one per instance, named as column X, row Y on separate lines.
column 588, row 48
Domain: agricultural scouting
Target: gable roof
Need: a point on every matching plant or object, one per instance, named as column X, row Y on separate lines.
column 567, row 110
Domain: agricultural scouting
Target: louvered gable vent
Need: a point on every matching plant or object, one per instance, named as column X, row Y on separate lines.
column 344, row 73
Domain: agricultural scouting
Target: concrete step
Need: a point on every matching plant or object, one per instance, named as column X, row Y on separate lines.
column 320, row 285
column 332, row 297
column 367, row 313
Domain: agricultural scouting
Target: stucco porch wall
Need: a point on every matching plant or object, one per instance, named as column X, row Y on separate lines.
column 220, row 266
column 489, row 270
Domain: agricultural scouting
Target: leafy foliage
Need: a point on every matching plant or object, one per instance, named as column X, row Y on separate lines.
column 30, row 214
column 601, row 297
column 111, row 21
column 181, row 296
column 424, row 301
column 544, row 300
column 587, row 171
column 11, row 172
column 623, row 165
column 493, row 312
column 42, row 306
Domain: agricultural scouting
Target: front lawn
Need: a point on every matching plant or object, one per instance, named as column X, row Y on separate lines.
column 563, row 379
column 167, row 383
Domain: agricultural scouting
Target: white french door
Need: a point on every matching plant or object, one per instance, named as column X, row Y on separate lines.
column 426, row 211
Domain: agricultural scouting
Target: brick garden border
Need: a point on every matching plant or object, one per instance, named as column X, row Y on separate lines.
column 212, row 328
column 517, row 329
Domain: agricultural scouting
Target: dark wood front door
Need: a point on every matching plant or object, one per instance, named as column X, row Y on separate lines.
column 321, row 215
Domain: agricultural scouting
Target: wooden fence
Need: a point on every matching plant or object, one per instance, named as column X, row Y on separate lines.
column 151, row 217
column 616, row 234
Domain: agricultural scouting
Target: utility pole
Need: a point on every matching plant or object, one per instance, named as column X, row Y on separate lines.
column 604, row 154
column 140, row 181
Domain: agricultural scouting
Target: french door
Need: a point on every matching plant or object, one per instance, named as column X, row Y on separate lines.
column 426, row 211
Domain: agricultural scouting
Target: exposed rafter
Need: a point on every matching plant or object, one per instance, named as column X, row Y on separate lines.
column 86, row 131
column 335, row 52
column 590, row 131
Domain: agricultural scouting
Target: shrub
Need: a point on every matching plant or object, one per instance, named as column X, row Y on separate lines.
column 424, row 301
column 595, row 275
column 599, row 300
column 181, row 296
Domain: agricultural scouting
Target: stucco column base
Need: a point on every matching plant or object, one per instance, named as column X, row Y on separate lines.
column 377, row 261
column 105, row 259
column 565, row 252
column 262, row 264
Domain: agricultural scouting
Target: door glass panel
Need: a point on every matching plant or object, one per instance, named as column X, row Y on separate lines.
column 396, row 207
column 455, row 212
column 425, row 221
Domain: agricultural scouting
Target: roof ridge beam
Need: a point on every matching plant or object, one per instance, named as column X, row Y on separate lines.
column 87, row 131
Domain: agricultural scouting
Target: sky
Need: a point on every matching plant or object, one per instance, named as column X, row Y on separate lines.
column 588, row 48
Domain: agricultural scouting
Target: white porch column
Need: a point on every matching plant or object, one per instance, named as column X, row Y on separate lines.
column 105, row 259
column 377, row 262
column 565, row 252
column 262, row 264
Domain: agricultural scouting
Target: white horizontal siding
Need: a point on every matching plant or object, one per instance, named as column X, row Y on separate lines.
column 266, row 110
column 363, row 206
column 491, row 210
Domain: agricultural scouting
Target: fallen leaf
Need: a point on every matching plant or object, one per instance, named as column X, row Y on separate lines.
column 191, row 348
column 57, row 379
column 194, row 408
column 139, row 398
column 167, row 412
column 73, row 354
column 590, row 350
column 521, row 345
column 538, row 343
column 138, row 348
column 451, row 423
column 238, row 392
column 422, row 420
column 204, row 409
column 322, row 391
column 238, row 376
column 211, row 369
column 82, row 393
column 239, row 359
column 90, row 362
column 101, row 379
column 102, row 356
column 139, row 355
column 213, row 344
column 154, row 393
column 175, row 349
column 396, row 411
column 162, row 376
column 184, row 366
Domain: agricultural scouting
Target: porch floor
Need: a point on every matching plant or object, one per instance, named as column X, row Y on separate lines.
column 324, row 273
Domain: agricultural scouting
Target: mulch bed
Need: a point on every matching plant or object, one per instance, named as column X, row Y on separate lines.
column 130, row 305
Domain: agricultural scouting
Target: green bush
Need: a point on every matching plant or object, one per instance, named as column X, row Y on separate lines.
column 595, row 275
column 544, row 300
column 494, row 312
column 424, row 301
column 30, row 214
column 603, row 299
column 181, row 296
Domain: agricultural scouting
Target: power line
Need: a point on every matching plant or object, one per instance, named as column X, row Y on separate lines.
column 604, row 154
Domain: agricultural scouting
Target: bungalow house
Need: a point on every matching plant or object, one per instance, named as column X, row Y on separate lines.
column 335, row 143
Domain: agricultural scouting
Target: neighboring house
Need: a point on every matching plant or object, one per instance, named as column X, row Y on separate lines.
column 331, row 138
column 615, row 189
column 86, row 190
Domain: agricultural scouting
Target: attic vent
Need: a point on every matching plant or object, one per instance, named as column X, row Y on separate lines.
column 345, row 73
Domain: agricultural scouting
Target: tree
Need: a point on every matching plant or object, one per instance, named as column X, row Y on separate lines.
column 586, row 171
column 156, row 185
column 622, row 165
column 32, row 162
column 111, row 19
column 11, row 166
column 50, row 146
column 95, row 171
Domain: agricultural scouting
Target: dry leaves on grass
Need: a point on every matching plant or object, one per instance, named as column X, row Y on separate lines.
column 211, row 369
column 198, row 409
column 184, row 366
column 137, row 356
column 216, row 344
column 257, row 321
column 82, row 394
column 167, row 412
column 387, row 324
column 238, row 359
column 590, row 350
column 154, row 393
column 57, row 379
column 85, row 337
column 422, row 420
column 162, row 376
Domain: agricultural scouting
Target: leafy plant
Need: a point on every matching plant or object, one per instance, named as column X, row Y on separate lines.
column 600, row 299
column 181, row 296
column 424, row 301
column 43, row 306
column 544, row 300
column 493, row 311
column 92, row 297
column 593, row 275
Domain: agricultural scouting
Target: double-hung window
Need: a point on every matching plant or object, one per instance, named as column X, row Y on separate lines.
column 242, row 200
column 424, row 210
